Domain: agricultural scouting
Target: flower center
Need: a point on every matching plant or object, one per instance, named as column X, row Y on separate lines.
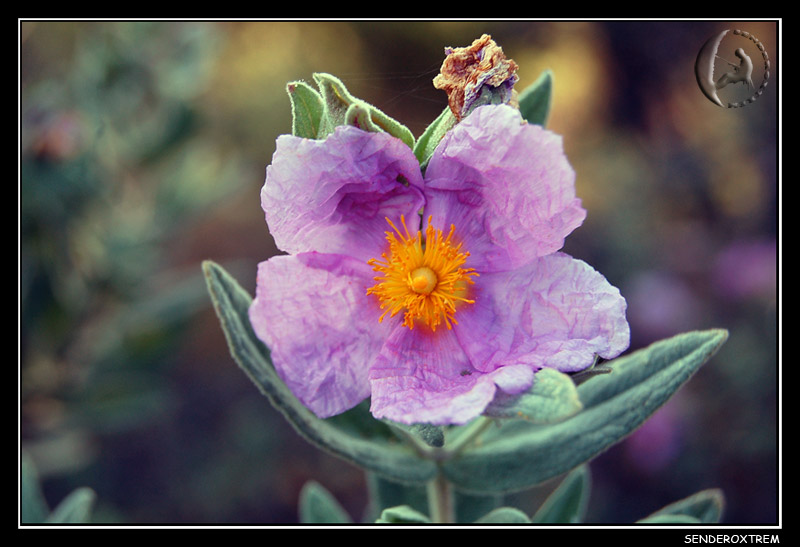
column 423, row 278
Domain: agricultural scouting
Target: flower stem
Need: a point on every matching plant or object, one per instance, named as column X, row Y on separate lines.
column 472, row 431
column 440, row 501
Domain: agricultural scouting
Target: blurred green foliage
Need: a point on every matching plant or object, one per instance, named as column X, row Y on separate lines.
column 142, row 152
column 114, row 163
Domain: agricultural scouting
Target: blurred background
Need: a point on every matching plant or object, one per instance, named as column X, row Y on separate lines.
column 142, row 152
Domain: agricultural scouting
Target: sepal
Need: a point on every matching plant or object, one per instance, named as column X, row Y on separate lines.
column 307, row 109
column 552, row 398
column 429, row 140
column 536, row 99
column 341, row 108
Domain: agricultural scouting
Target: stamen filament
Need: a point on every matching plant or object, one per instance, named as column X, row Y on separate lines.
column 423, row 277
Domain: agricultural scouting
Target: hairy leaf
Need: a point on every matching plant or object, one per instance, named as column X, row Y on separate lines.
column 536, row 99
column 552, row 398
column 567, row 504
column 706, row 506
column 318, row 506
column 519, row 455
column 374, row 453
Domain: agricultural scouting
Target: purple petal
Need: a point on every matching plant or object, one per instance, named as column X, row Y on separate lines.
column 312, row 312
column 556, row 312
column 506, row 185
column 425, row 377
column 334, row 195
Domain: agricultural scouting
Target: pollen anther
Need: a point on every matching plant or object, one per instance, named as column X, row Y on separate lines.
column 424, row 278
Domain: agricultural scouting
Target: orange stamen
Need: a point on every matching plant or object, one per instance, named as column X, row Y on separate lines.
column 423, row 278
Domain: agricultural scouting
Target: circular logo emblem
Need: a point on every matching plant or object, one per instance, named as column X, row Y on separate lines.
column 731, row 70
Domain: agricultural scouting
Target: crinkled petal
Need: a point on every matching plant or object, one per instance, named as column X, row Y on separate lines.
column 426, row 377
column 334, row 195
column 312, row 312
column 556, row 312
column 507, row 187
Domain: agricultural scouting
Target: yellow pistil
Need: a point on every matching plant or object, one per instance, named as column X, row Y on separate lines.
column 424, row 278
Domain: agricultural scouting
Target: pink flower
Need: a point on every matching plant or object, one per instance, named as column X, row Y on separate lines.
column 428, row 315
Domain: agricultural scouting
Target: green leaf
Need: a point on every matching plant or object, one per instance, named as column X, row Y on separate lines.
column 504, row 515
column 469, row 507
column 337, row 102
column 374, row 453
column 385, row 493
column 359, row 115
column 670, row 519
column 76, row 508
column 536, row 99
column 682, row 353
column 33, row 507
column 567, row 504
column 307, row 109
column 519, row 455
column 434, row 133
column 706, row 506
column 428, row 434
column 552, row 398
column 402, row 514
column 318, row 506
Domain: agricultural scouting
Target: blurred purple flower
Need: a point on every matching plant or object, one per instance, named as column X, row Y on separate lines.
column 473, row 299
column 660, row 304
column 658, row 441
column 747, row 269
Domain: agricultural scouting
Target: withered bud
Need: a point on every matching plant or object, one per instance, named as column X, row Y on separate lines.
column 475, row 75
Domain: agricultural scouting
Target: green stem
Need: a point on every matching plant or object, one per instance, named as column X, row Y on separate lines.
column 440, row 501
column 467, row 436
column 440, row 492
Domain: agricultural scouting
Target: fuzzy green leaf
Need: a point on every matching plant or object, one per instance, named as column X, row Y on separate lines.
column 402, row 514
column 536, row 99
column 434, row 133
column 552, row 398
column 337, row 102
column 469, row 507
column 427, row 434
column 307, row 109
column 318, row 506
column 504, row 515
column 76, row 508
column 519, row 455
column 385, row 493
column 706, row 506
column 335, row 435
column 359, row 115
column 567, row 504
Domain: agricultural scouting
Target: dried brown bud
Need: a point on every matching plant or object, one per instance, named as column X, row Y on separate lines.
column 474, row 75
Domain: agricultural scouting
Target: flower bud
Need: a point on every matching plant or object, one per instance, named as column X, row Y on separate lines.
column 477, row 75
